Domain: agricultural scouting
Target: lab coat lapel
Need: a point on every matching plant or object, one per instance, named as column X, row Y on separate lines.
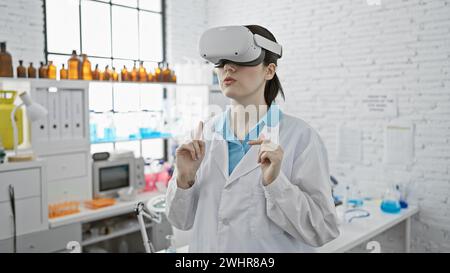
column 219, row 153
column 250, row 160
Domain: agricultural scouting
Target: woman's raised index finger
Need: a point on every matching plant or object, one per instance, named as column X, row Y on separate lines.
column 199, row 132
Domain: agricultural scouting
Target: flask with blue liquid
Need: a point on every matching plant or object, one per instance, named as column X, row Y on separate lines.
column 391, row 201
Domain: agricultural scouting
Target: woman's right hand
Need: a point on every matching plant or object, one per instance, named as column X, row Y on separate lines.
column 189, row 156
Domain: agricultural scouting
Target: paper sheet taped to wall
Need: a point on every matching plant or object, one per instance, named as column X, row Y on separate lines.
column 398, row 143
column 349, row 144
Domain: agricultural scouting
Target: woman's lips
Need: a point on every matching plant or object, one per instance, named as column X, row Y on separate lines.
column 228, row 81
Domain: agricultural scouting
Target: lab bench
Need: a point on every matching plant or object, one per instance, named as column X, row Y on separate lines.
column 111, row 222
column 362, row 230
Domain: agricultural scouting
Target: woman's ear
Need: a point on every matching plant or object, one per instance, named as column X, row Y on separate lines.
column 270, row 71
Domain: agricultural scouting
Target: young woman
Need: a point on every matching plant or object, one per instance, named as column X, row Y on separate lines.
column 240, row 193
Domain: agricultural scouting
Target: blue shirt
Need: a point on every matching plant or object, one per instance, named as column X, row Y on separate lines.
column 236, row 148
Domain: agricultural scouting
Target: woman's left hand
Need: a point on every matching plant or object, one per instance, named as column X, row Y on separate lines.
column 270, row 157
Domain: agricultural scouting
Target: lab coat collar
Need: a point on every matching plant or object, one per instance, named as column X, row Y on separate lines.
column 249, row 162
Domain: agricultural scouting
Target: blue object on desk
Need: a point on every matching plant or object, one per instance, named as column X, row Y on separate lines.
column 355, row 202
column 390, row 206
column 403, row 204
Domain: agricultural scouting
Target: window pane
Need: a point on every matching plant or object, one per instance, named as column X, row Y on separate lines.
column 63, row 26
column 129, row 3
column 100, row 96
column 152, row 98
column 126, row 97
column 153, row 5
column 150, row 26
column 103, row 147
column 153, row 148
column 125, row 33
column 96, row 28
column 129, row 146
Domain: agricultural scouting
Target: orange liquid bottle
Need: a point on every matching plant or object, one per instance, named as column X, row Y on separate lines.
column 101, row 75
column 150, row 77
column 96, row 73
column 166, row 73
column 124, row 74
column 73, row 66
column 43, row 71
column 86, row 71
column 63, row 73
column 142, row 73
column 115, row 75
column 6, row 67
column 107, row 74
column 134, row 73
column 158, row 72
column 173, row 77
column 21, row 70
column 31, row 71
column 51, row 70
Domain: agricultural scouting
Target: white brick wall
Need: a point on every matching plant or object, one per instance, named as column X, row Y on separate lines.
column 337, row 50
column 185, row 22
column 333, row 52
column 22, row 27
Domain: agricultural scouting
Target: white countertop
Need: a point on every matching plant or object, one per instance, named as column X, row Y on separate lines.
column 359, row 230
column 363, row 229
column 88, row 215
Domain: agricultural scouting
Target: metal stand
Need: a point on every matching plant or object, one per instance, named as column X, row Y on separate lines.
column 142, row 212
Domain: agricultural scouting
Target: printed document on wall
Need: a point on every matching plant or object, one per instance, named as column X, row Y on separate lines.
column 398, row 143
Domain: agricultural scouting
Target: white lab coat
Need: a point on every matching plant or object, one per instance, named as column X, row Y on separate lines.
column 237, row 213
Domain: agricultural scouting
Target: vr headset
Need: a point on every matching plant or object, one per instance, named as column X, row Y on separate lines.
column 236, row 44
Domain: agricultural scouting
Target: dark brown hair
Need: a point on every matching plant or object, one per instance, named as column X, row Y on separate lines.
column 273, row 86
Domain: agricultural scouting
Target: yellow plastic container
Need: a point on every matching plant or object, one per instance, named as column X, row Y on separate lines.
column 6, row 131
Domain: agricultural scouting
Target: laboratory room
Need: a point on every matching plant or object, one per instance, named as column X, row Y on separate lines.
column 211, row 126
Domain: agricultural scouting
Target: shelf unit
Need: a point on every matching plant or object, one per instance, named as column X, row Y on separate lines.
column 122, row 232
column 168, row 94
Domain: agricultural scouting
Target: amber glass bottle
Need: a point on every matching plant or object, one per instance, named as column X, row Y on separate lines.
column 96, row 73
column 150, row 77
column 142, row 73
column 101, row 75
column 134, row 73
column 173, row 77
column 6, row 67
column 107, row 73
column 124, row 74
column 63, row 73
column 158, row 73
column 86, row 71
column 31, row 71
column 73, row 66
column 43, row 71
column 115, row 75
column 51, row 71
column 21, row 70
column 166, row 73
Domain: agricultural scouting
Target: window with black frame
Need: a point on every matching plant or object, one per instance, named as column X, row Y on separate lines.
column 113, row 33
column 109, row 32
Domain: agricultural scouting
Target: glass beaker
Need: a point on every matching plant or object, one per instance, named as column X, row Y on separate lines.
column 171, row 248
column 391, row 201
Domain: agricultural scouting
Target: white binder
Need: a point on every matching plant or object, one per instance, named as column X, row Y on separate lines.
column 39, row 131
column 54, row 116
column 77, row 114
column 66, row 114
